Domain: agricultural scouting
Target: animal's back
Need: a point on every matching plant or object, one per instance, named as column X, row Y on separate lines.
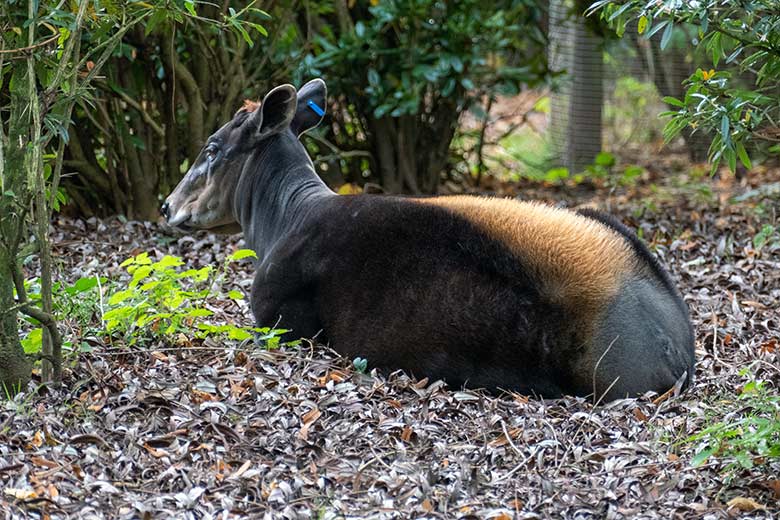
column 489, row 292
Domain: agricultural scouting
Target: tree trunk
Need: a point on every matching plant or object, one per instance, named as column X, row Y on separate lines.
column 15, row 367
column 384, row 137
column 411, row 155
column 575, row 118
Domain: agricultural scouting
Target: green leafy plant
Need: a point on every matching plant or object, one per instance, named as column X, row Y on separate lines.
column 739, row 106
column 407, row 70
column 360, row 364
column 605, row 167
column 160, row 300
column 768, row 234
column 747, row 435
column 76, row 303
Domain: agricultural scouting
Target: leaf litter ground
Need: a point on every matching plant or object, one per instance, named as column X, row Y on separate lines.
column 204, row 429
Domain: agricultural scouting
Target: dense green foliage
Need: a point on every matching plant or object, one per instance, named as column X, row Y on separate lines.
column 403, row 72
column 45, row 68
column 158, row 301
column 738, row 100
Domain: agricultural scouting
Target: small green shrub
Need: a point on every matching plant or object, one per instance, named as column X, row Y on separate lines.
column 158, row 297
column 161, row 300
column 768, row 234
column 748, row 435
column 158, row 302
column 77, row 304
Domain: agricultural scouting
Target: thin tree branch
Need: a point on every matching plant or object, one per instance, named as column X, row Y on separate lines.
column 48, row 321
column 28, row 50
column 136, row 105
column 75, row 37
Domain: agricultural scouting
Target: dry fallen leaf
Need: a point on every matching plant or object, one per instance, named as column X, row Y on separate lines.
column 663, row 397
column 159, row 356
column 395, row 403
column 422, row 383
column 182, row 341
column 199, row 396
column 237, row 390
column 516, row 504
column 770, row 346
column 21, row 494
column 744, row 504
column 37, row 440
column 221, row 469
column 308, row 419
column 40, row 461
column 154, row 452
column 240, row 471
column 240, row 359
column 774, row 486
column 502, row 440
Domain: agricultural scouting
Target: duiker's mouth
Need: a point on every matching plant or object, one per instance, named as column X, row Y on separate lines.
column 180, row 223
column 179, row 218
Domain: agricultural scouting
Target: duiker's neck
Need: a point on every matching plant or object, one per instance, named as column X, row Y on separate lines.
column 277, row 192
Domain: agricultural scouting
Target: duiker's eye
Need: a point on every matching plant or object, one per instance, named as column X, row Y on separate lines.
column 211, row 154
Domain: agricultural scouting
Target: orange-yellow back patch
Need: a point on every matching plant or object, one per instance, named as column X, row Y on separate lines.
column 578, row 262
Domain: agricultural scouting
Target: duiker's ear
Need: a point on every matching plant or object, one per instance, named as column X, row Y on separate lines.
column 311, row 106
column 276, row 111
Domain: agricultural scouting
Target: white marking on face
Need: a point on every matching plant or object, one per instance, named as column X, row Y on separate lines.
column 181, row 216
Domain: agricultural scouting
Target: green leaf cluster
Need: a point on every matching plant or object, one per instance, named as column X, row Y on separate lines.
column 767, row 234
column 749, row 434
column 736, row 101
column 77, row 303
column 401, row 53
column 158, row 301
column 161, row 300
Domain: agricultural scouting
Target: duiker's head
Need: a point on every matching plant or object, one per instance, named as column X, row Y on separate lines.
column 204, row 197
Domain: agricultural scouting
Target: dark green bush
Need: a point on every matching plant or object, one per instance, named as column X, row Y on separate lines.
column 737, row 101
column 402, row 72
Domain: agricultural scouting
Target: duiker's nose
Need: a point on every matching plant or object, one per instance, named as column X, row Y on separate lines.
column 165, row 210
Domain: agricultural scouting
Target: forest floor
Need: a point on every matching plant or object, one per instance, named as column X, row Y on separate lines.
column 204, row 429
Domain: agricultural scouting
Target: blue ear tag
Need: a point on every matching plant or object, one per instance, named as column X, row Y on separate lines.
column 314, row 106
